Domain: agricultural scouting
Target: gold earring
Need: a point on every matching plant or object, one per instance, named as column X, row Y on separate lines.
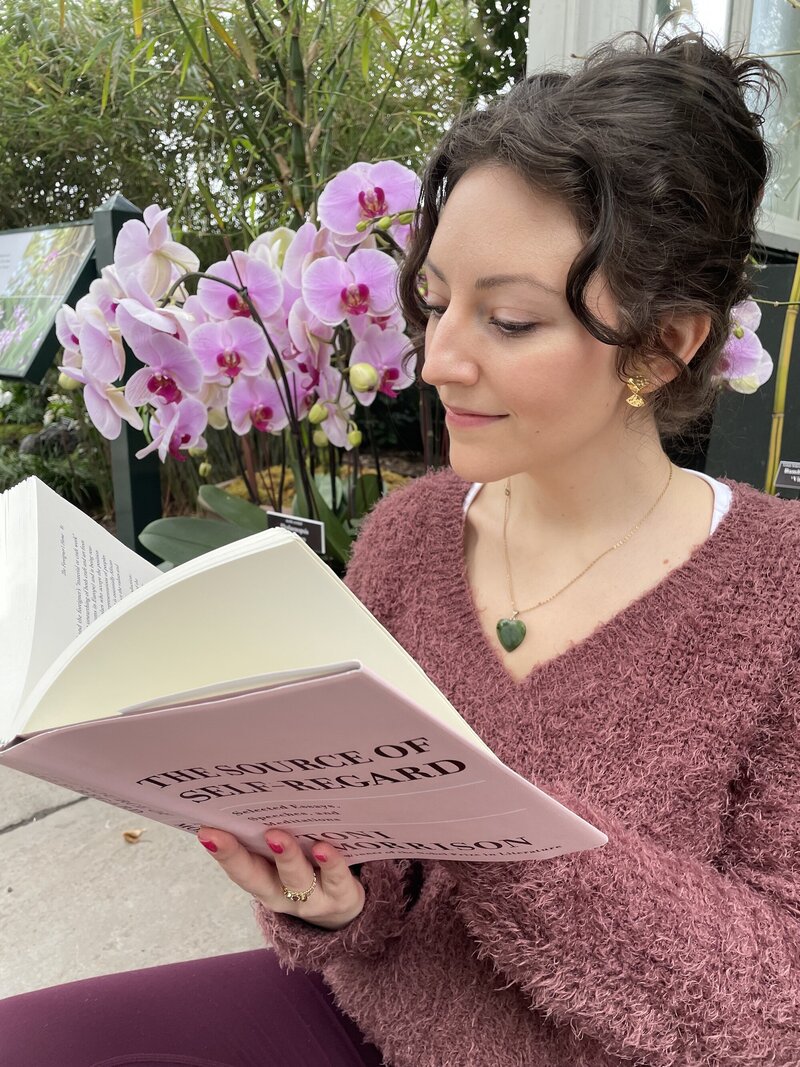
column 636, row 384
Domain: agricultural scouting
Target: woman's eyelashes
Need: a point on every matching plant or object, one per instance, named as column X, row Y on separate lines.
column 508, row 329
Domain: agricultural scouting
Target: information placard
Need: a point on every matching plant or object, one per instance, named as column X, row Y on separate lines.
column 40, row 269
column 788, row 476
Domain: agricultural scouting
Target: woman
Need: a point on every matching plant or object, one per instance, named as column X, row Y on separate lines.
column 619, row 629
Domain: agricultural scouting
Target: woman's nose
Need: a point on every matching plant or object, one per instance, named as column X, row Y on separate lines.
column 449, row 353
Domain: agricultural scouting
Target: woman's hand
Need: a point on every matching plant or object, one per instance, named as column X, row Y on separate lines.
column 336, row 900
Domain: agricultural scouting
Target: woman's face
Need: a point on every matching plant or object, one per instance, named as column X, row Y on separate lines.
column 506, row 346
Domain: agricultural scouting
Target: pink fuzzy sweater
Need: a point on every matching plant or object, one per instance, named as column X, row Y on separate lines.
column 674, row 728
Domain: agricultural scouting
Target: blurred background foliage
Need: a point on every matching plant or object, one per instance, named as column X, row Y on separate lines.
column 237, row 113
column 234, row 114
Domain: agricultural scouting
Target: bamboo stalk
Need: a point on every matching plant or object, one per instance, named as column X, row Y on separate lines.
column 781, row 381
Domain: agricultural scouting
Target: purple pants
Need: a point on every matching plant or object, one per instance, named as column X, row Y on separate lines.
column 239, row 1010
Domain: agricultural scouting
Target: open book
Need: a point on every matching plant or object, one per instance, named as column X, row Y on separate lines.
column 245, row 689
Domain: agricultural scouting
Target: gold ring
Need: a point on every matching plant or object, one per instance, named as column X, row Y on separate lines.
column 301, row 895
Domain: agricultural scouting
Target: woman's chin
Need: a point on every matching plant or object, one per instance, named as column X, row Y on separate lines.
column 477, row 469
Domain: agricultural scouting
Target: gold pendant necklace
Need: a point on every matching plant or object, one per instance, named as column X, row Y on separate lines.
column 511, row 631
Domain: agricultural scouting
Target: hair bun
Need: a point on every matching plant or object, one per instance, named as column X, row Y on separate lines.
column 749, row 74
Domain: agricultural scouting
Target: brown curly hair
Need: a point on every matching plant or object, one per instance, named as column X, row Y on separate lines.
column 663, row 164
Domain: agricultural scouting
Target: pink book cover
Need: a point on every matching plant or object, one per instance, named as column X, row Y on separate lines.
column 345, row 757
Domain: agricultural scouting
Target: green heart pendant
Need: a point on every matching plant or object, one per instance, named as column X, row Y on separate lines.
column 511, row 633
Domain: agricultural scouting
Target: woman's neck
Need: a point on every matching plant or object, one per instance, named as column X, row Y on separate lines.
column 589, row 497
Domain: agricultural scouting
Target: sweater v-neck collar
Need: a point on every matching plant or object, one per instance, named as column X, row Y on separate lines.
column 679, row 588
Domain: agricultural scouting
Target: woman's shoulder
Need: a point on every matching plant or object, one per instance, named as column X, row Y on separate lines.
column 766, row 521
column 760, row 556
column 428, row 497
column 390, row 544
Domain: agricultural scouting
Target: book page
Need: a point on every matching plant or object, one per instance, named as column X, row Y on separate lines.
column 263, row 604
column 81, row 571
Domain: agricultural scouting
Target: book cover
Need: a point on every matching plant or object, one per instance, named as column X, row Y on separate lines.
column 250, row 688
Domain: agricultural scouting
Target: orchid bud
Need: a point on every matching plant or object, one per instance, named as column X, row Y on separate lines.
column 196, row 452
column 362, row 224
column 737, row 330
column 319, row 438
column 217, row 418
column 384, row 222
column 317, row 414
column 354, row 437
column 66, row 383
column 363, row 377
column 405, row 218
column 204, row 469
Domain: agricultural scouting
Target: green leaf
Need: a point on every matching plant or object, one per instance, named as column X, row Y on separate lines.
column 138, row 16
column 366, row 494
column 300, row 507
column 365, row 57
column 106, row 87
column 337, row 539
column 246, row 48
column 205, row 192
column 179, row 540
column 385, row 26
column 187, row 58
column 324, row 485
column 223, row 34
column 240, row 512
column 105, row 41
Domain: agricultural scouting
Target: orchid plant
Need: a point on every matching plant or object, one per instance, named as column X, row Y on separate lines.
column 287, row 336
column 744, row 365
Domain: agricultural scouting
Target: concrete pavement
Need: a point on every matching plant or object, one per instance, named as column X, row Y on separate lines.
column 78, row 900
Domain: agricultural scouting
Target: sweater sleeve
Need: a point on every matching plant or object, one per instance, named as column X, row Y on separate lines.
column 667, row 959
column 374, row 574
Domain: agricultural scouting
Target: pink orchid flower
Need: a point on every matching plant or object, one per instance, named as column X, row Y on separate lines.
column 107, row 291
column 175, row 428
column 367, row 191
column 312, row 342
column 364, row 285
column 270, row 247
column 309, row 244
column 228, row 349
column 145, row 251
column 263, row 284
column 393, row 320
column 100, row 343
column 107, row 406
column 256, row 402
column 194, row 312
column 384, row 350
column 744, row 364
column 282, row 340
column 302, row 391
column 332, row 394
column 67, row 330
column 308, row 333
column 171, row 370
column 214, row 397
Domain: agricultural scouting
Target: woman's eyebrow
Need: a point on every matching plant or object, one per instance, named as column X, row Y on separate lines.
column 496, row 280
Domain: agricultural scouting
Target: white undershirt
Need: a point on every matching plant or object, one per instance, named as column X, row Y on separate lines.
column 722, row 496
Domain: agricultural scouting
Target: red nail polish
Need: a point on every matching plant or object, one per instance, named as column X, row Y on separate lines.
column 275, row 846
column 209, row 845
column 321, row 859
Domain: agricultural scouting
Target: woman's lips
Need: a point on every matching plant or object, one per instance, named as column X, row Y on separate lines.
column 466, row 419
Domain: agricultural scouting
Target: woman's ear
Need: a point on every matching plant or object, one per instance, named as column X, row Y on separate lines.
column 683, row 335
